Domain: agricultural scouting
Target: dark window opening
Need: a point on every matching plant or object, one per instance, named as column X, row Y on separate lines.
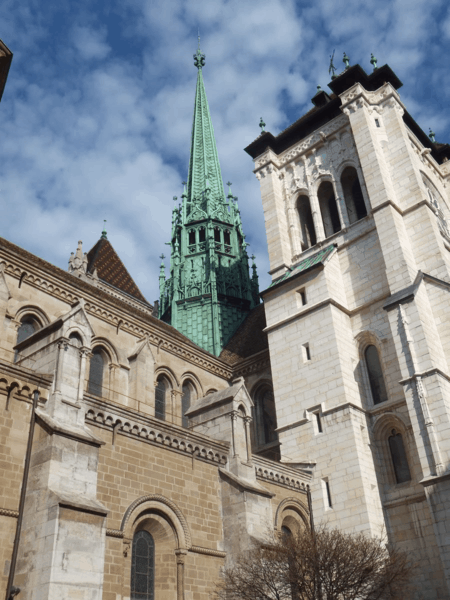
column 319, row 422
column 191, row 238
column 328, row 208
column 377, row 122
column 376, row 380
column 307, row 231
column 143, row 567
column 353, row 196
column 216, row 234
column 226, row 237
column 266, row 419
column 202, row 234
column 398, row 456
column 27, row 327
column 186, row 399
column 160, row 399
column 95, row 383
column 303, row 297
column 327, row 487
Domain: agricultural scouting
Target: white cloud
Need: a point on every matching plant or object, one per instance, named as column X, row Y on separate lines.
column 90, row 43
column 108, row 136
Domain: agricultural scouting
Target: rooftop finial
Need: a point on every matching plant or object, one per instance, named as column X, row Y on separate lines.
column 431, row 135
column 104, row 236
column 346, row 61
column 262, row 125
column 199, row 58
column 373, row 61
column 332, row 69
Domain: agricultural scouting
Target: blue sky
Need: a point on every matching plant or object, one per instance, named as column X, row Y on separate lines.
column 96, row 115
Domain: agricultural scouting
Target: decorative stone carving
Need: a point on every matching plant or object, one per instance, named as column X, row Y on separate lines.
column 78, row 261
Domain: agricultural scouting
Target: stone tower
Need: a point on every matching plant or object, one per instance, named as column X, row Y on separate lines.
column 209, row 291
column 356, row 201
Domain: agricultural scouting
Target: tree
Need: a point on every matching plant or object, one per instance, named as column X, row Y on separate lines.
column 325, row 565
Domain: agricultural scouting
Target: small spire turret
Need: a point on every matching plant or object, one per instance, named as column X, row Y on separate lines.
column 104, row 235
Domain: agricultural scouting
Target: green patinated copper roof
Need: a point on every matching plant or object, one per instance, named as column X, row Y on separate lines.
column 312, row 261
column 204, row 160
column 209, row 291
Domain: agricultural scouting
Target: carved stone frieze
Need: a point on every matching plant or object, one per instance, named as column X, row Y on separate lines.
column 148, row 432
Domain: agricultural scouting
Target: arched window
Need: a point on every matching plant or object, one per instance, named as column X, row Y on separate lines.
column 265, row 416
column 189, row 395
column 191, row 237
column 353, row 196
column 307, row 231
column 97, row 363
column 202, row 234
column 217, row 234
column 27, row 327
column 226, row 237
column 75, row 340
column 398, row 456
column 161, row 389
column 143, row 567
column 328, row 208
column 375, row 373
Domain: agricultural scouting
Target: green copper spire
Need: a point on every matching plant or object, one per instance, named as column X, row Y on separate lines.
column 209, row 291
column 204, row 168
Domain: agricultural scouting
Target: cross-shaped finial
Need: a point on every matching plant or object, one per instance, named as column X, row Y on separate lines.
column 184, row 183
column 262, row 124
column 104, row 230
column 229, row 183
column 174, row 198
column 162, row 257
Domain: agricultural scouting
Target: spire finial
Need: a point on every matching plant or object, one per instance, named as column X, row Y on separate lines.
column 199, row 58
column 346, row 61
column 262, row 125
column 332, row 69
column 104, row 236
column 432, row 137
column 373, row 61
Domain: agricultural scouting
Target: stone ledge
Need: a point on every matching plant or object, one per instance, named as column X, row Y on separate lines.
column 75, row 433
column 247, row 486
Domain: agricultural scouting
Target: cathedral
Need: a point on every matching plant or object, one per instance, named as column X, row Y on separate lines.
column 145, row 446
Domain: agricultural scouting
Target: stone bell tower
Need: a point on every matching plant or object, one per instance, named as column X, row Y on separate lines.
column 209, row 291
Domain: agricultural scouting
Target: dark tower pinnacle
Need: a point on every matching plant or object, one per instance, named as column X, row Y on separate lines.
column 209, row 291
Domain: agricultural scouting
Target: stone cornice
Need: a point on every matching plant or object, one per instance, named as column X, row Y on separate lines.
column 280, row 474
column 67, row 288
column 25, row 375
column 153, row 431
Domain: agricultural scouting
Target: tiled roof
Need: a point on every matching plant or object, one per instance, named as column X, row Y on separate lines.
column 111, row 269
column 248, row 339
column 308, row 263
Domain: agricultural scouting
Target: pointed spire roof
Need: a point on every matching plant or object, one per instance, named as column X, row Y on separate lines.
column 204, row 167
column 111, row 269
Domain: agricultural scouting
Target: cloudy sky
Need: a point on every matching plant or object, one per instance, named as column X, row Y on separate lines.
column 96, row 115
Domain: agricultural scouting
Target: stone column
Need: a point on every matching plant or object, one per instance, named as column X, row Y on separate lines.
column 317, row 216
column 234, row 417
column 247, row 421
column 181, row 556
column 62, row 345
column 83, row 356
column 340, row 203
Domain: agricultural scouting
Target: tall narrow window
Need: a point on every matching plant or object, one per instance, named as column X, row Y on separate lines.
column 95, row 384
column 376, row 380
column 201, row 234
column 328, row 208
column 216, row 234
column 191, row 237
column 353, row 196
column 160, row 399
column 398, row 456
column 143, row 567
column 26, row 328
column 226, row 237
column 187, row 398
column 266, row 419
column 307, row 231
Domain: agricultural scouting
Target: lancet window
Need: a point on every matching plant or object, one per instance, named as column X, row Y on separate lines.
column 189, row 394
column 28, row 325
column 375, row 373
column 265, row 416
column 398, row 457
column 307, row 231
column 96, row 368
column 328, row 208
column 191, row 237
column 353, row 196
column 143, row 567
column 162, row 390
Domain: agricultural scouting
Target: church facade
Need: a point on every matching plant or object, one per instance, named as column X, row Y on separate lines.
column 144, row 447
